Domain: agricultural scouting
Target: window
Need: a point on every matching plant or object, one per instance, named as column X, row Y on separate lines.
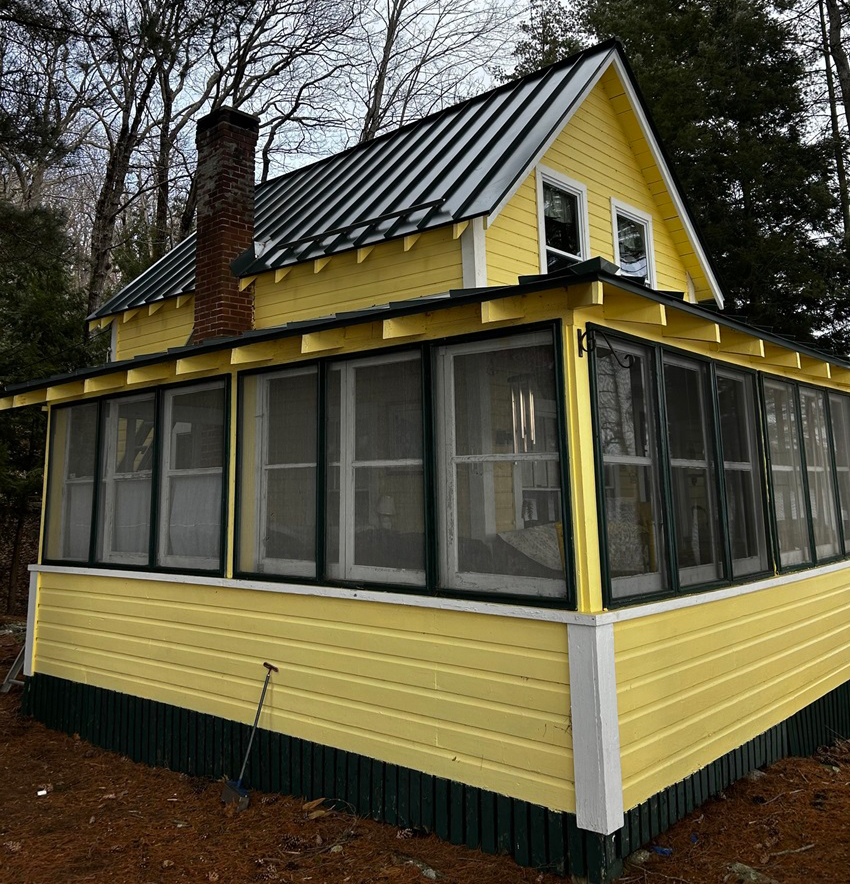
column 277, row 523
column 786, row 468
column 821, row 482
column 633, row 243
column 693, row 470
column 191, row 499
column 73, row 445
column 126, row 480
column 626, row 425
column 839, row 407
column 562, row 210
column 499, row 469
column 375, row 495
column 742, row 472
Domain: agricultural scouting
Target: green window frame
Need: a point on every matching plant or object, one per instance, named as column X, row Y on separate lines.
column 689, row 549
column 436, row 578
column 120, row 463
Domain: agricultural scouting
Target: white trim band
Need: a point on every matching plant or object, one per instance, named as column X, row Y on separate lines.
column 494, row 608
column 29, row 653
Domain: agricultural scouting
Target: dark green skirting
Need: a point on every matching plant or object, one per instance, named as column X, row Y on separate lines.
column 204, row 745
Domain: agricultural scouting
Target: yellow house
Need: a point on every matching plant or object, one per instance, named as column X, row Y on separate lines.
column 453, row 429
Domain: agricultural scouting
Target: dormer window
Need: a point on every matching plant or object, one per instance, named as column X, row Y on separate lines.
column 562, row 220
column 633, row 243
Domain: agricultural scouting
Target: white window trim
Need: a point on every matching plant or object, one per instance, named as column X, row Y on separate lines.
column 450, row 575
column 110, row 480
column 576, row 189
column 618, row 207
column 266, row 564
column 166, row 474
column 345, row 568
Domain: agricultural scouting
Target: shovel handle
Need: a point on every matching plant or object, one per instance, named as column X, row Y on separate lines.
column 271, row 668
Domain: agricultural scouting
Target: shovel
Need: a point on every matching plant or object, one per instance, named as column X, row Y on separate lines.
column 233, row 792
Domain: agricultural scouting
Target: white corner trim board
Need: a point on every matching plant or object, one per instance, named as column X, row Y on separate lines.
column 598, row 775
column 473, row 250
column 494, row 608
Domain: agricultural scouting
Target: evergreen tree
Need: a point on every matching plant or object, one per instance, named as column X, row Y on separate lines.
column 550, row 34
column 726, row 89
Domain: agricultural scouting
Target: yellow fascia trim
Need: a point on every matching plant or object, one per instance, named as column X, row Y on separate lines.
column 33, row 397
column 105, row 382
column 781, row 357
column 503, row 309
column 816, row 368
column 148, row 374
column 194, row 364
column 260, row 352
column 65, row 391
column 740, row 344
column 7, row 402
column 687, row 327
column 328, row 339
column 404, row 326
column 629, row 308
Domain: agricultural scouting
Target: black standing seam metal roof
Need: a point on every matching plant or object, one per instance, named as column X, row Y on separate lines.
column 451, row 166
column 592, row 270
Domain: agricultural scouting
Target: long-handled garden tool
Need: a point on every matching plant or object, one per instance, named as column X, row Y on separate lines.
column 233, row 792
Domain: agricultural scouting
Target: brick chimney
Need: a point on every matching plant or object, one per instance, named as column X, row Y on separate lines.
column 226, row 139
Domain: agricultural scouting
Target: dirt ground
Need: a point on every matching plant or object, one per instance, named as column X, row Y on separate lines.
column 105, row 819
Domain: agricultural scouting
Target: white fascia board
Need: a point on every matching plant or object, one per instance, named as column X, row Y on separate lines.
column 667, row 177
column 535, row 160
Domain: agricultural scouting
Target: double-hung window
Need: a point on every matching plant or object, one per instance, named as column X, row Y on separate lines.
column 277, row 520
column 375, row 523
column 693, row 471
column 562, row 220
column 633, row 250
column 499, row 467
column 73, row 447
column 821, row 481
column 627, row 432
column 839, row 408
column 190, row 502
column 786, row 469
column 126, row 477
column 736, row 398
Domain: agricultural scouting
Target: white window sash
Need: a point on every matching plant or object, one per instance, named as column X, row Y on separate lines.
column 574, row 188
column 171, row 560
column 624, row 210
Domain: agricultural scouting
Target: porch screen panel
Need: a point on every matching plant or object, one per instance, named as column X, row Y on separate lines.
column 819, row 472
column 190, row 506
column 70, row 492
column 786, row 467
column 375, row 494
column 277, row 506
column 839, row 407
column 125, row 490
column 500, row 469
column 626, row 427
column 742, row 472
column 693, row 470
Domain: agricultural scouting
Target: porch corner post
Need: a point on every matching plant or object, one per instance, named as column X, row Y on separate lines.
column 29, row 653
column 595, row 728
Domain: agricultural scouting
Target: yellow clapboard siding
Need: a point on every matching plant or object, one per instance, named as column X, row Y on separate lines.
column 170, row 326
column 595, row 149
column 388, row 273
column 698, row 682
column 482, row 700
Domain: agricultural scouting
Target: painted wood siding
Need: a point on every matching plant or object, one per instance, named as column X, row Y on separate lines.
column 144, row 333
column 696, row 683
column 595, row 150
column 477, row 699
column 389, row 273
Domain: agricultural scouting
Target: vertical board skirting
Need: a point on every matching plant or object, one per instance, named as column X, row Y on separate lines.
column 203, row 745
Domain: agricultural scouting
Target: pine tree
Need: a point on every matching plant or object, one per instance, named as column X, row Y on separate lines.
column 550, row 34
column 725, row 86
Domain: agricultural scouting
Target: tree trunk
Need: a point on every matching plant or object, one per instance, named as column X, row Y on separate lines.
column 839, row 54
column 838, row 146
column 162, row 170
column 188, row 215
column 15, row 563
